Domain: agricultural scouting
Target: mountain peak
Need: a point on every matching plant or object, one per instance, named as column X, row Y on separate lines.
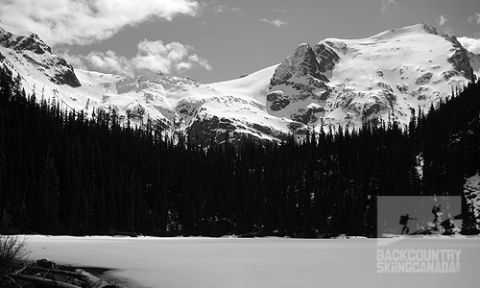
column 15, row 31
column 27, row 52
column 302, row 62
column 20, row 40
column 382, row 77
column 304, row 59
column 430, row 29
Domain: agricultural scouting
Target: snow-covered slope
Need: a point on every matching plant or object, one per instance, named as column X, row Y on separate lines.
column 206, row 111
column 387, row 76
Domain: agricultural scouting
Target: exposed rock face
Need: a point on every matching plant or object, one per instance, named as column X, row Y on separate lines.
column 277, row 100
column 303, row 63
column 65, row 75
column 424, row 79
column 205, row 129
column 474, row 63
column 460, row 59
column 302, row 75
column 36, row 52
column 21, row 43
column 326, row 56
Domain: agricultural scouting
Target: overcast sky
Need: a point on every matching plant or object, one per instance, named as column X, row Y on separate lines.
column 213, row 40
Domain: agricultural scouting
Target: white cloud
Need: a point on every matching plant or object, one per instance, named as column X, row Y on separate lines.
column 386, row 4
column 86, row 21
column 202, row 62
column 109, row 62
column 474, row 19
column 218, row 9
column 274, row 22
column 172, row 57
column 151, row 55
column 471, row 44
column 442, row 20
column 183, row 66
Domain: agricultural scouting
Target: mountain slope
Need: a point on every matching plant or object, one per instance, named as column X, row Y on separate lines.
column 341, row 82
column 206, row 111
column 388, row 75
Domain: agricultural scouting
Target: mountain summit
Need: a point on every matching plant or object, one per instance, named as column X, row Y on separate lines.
column 386, row 77
column 29, row 56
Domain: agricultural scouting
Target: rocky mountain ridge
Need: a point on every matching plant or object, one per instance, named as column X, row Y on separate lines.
column 386, row 77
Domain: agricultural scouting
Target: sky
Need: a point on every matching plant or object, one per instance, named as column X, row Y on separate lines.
column 215, row 40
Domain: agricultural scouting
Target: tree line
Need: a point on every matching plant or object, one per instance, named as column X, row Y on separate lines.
column 62, row 172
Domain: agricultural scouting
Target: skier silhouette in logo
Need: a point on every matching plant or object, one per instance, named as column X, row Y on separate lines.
column 404, row 222
column 437, row 212
column 448, row 227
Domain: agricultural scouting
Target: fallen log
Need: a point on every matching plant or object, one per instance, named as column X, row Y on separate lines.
column 51, row 271
column 52, row 275
column 44, row 281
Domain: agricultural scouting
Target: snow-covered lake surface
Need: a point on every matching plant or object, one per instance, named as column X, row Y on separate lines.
column 247, row 263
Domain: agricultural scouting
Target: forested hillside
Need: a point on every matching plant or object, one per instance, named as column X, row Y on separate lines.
column 63, row 173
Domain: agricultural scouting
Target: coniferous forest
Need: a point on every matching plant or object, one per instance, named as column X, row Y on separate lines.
column 65, row 173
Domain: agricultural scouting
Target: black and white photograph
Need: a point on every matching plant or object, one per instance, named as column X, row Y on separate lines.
column 239, row 143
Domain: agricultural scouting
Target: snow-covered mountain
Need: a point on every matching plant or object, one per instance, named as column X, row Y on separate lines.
column 387, row 76
column 207, row 111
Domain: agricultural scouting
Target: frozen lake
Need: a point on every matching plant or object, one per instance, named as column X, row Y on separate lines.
column 247, row 263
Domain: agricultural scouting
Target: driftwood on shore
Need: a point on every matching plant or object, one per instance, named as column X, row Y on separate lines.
column 44, row 273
